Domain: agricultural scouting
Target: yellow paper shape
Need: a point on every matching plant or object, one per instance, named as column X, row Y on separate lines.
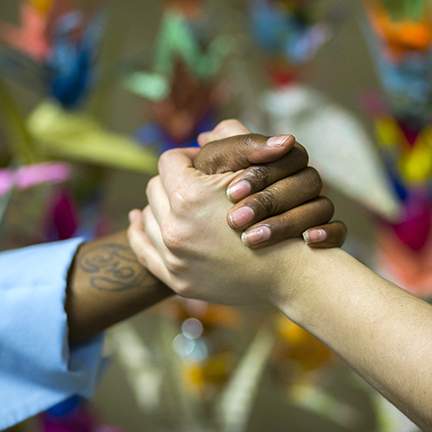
column 74, row 136
column 416, row 163
column 42, row 5
column 389, row 132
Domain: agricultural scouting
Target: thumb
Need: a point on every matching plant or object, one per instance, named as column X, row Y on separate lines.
column 241, row 151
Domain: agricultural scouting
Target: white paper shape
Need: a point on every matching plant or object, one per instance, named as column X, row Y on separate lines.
column 337, row 143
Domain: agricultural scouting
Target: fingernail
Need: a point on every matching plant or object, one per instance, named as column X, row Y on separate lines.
column 132, row 216
column 241, row 216
column 239, row 190
column 255, row 236
column 314, row 236
column 279, row 141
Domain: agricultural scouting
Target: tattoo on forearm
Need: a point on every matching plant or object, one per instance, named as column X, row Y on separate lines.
column 115, row 268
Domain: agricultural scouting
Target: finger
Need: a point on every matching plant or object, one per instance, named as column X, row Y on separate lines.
column 225, row 129
column 144, row 246
column 161, row 261
column 276, row 199
column 173, row 164
column 153, row 231
column 148, row 255
column 330, row 235
column 204, row 138
column 259, row 177
column 136, row 236
column 157, row 198
column 241, row 151
column 290, row 224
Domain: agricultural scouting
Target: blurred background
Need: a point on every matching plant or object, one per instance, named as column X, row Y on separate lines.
column 91, row 92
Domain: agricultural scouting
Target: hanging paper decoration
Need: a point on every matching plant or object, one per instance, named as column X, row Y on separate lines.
column 289, row 28
column 66, row 71
column 20, row 142
column 403, row 58
column 30, row 36
column 62, row 41
column 403, row 10
column 187, row 111
column 71, row 60
column 337, row 144
column 181, row 85
column 290, row 33
column 31, row 175
column 399, row 35
column 75, row 136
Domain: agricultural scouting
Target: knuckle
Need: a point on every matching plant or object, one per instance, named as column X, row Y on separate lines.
column 174, row 264
column 267, row 202
column 314, row 180
column 173, row 237
column 250, row 140
column 182, row 199
column 259, row 177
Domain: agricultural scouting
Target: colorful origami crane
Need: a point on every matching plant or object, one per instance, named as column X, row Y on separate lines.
column 291, row 32
column 181, row 83
column 62, row 40
column 56, row 47
column 288, row 28
column 400, row 40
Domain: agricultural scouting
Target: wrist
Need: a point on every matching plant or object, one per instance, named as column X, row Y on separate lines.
column 303, row 281
column 287, row 282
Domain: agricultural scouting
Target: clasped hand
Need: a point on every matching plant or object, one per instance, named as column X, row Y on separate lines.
column 183, row 236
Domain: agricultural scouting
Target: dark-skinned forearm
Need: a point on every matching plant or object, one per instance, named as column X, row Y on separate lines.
column 107, row 284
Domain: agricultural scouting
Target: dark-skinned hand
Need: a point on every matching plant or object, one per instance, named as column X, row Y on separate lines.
column 277, row 194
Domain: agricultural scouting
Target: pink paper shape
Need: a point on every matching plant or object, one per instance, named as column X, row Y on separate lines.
column 31, row 175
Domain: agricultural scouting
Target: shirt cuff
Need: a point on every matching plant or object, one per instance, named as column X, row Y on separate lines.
column 37, row 368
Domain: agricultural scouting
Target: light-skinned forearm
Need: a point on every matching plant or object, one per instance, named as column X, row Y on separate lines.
column 107, row 284
column 383, row 332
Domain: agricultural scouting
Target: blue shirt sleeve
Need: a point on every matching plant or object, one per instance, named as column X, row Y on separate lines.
column 37, row 369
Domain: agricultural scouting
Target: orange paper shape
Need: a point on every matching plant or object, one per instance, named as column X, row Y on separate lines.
column 400, row 36
column 38, row 24
column 42, row 6
column 410, row 270
column 214, row 371
column 30, row 37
